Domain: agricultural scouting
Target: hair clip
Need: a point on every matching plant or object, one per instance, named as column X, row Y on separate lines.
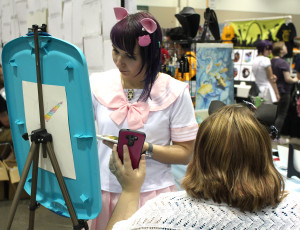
column 273, row 132
column 150, row 26
column 144, row 40
column 120, row 13
column 251, row 106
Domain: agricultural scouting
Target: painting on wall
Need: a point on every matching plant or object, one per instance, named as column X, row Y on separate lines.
column 214, row 74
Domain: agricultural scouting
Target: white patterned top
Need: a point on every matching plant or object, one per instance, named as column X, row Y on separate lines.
column 177, row 210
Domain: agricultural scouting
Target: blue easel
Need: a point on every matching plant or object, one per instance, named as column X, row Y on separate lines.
column 42, row 59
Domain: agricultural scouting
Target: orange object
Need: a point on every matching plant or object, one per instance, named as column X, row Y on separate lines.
column 227, row 34
column 191, row 56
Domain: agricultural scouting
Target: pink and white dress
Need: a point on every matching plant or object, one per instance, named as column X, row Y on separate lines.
column 165, row 117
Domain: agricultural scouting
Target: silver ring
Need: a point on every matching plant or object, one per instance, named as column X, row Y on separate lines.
column 113, row 170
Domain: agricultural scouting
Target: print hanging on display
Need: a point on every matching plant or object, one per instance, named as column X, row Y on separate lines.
column 246, row 73
column 237, row 56
column 214, row 75
column 248, row 56
column 236, row 71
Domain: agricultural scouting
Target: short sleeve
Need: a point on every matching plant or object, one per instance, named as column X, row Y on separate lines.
column 266, row 62
column 284, row 66
column 183, row 123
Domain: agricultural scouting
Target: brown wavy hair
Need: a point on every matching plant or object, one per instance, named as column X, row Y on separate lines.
column 232, row 162
column 277, row 47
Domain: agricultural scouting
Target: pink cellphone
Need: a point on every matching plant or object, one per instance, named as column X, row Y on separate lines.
column 135, row 141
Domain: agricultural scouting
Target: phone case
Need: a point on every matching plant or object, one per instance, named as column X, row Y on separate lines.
column 135, row 141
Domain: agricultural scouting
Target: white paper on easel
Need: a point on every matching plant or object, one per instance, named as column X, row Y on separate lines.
column 56, row 123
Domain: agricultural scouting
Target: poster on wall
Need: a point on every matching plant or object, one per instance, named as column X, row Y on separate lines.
column 214, row 78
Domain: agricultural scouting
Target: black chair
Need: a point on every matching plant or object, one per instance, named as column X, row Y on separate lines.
column 293, row 162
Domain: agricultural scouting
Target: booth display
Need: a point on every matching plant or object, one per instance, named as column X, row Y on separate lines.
column 250, row 31
column 242, row 61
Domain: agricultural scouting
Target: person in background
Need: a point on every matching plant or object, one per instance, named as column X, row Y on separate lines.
column 264, row 77
column 137, row 96
column 5, row 132
column 297, row 57
column 185, row 57
column 223, row 189
column 297, row 68
column 281, row 69
column 165, row 56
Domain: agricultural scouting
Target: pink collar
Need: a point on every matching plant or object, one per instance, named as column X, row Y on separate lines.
column 108, row 90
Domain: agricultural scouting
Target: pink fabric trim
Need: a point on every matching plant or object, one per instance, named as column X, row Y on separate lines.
column 109, row 201
column 107, row 88
column 187, row 133
column 165, row 91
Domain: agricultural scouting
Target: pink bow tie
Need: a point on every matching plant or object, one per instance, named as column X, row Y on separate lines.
column 136, row 113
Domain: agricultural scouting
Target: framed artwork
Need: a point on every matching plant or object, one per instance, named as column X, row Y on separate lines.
column 214, row 78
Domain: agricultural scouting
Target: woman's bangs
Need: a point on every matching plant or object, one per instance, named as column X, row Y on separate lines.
column 123, row 39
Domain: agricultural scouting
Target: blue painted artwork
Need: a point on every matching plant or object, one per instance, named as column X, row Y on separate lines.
column 214, row 74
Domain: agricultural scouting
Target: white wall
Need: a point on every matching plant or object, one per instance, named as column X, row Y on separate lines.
column 268, row 6
column 87, row 23
column 84, row 23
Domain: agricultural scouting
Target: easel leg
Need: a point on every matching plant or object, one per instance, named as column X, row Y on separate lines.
column 62, row 184
column 12, row 212
column 33, row 203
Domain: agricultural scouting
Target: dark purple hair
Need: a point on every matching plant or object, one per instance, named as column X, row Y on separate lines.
column 124, row 36
column 261, row 45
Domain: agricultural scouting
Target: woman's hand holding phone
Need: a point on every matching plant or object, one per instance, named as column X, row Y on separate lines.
column 130, row 179
column 134, row 140
column 108, row 143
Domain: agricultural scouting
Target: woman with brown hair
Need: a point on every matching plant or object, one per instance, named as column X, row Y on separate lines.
column 281, row 69
column 230, row 183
